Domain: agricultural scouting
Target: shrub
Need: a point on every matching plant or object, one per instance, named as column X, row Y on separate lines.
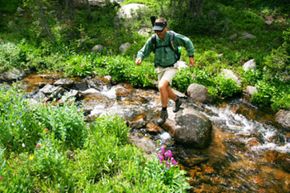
column 141, row 76
column 264, row 95
column 49, row 167
column 251, row 77
column 183, row 79
column 226, row 87
column 79, row 65
column 66, row 122
column 281, row 101
column 9, row 56
column 19, row 128
column 117, row 68
column 14, row 177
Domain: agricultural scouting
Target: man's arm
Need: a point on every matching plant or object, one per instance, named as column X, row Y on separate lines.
column 144, row 52
column 187, row 43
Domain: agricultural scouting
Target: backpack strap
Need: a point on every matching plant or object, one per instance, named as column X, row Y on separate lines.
column 153, row 41
column 171, row 45
column 172, row 35
column 177, row 50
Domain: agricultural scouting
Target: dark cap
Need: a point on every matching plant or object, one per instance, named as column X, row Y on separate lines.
column 159, row 25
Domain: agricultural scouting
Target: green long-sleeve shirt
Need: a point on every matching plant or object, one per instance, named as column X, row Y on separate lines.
column 164, row 54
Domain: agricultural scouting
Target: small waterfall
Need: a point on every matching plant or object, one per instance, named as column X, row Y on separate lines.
column 270, row 138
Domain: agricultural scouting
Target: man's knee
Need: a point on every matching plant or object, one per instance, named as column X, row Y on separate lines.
column 162, row 85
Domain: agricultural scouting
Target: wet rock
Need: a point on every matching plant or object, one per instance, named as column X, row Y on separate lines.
column 94, row 100
column 153, row 128
column 123, row 91
column 52, row 92
column 80, row 85
column 12, row 75
column 191, row 128
column 63, row 82
column 69, row 96
column 137, row 122
column 144, row 143
column 283, row 118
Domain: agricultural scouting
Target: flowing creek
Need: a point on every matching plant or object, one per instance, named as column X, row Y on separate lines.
column 249, row 152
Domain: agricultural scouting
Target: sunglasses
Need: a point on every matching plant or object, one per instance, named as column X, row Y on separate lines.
column 158, row 31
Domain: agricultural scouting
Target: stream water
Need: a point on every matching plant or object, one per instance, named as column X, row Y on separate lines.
column 248, row 153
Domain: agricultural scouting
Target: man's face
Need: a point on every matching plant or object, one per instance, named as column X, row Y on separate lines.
column 161, row 34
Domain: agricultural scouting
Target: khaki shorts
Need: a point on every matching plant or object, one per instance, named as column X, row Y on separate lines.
column 166, row 74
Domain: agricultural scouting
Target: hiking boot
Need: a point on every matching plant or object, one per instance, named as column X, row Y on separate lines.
column 177, row 105
column 163, row 117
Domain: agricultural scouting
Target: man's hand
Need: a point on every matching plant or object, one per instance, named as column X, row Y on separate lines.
column 138, row 61
column 191, row 61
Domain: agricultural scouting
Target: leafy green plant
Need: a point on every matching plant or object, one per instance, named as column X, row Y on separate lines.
column 66, row 122
column 79, row 65
column 15, row 176
column 114, row 126
column 9, row 56
column 49, row 166
column 264, row 95
column 278, row 62
column 281, row 101
column 19, row 128
column 141, row 76
column 226, row 87
column 183, row 79
column 251, row 77
column 116, row 67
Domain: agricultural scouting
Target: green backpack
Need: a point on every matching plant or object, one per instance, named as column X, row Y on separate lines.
column 177, row 50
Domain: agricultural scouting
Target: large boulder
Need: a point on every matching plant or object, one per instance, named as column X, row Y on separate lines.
column 190, row 128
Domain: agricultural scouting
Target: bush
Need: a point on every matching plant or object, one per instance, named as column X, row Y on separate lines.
column 183, row 79
column 264, row 95
column 251, row 77
column 9, row 56
column 226, row 87
column 15, row 176
column 79, row 65
column 141, row 76
column 49, row 167
column 65, row 122
column 19, row 128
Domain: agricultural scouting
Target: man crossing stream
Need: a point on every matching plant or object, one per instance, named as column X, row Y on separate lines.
column 166, row 46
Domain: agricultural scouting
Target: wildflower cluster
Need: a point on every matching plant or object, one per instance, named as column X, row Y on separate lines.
column 165, row 156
